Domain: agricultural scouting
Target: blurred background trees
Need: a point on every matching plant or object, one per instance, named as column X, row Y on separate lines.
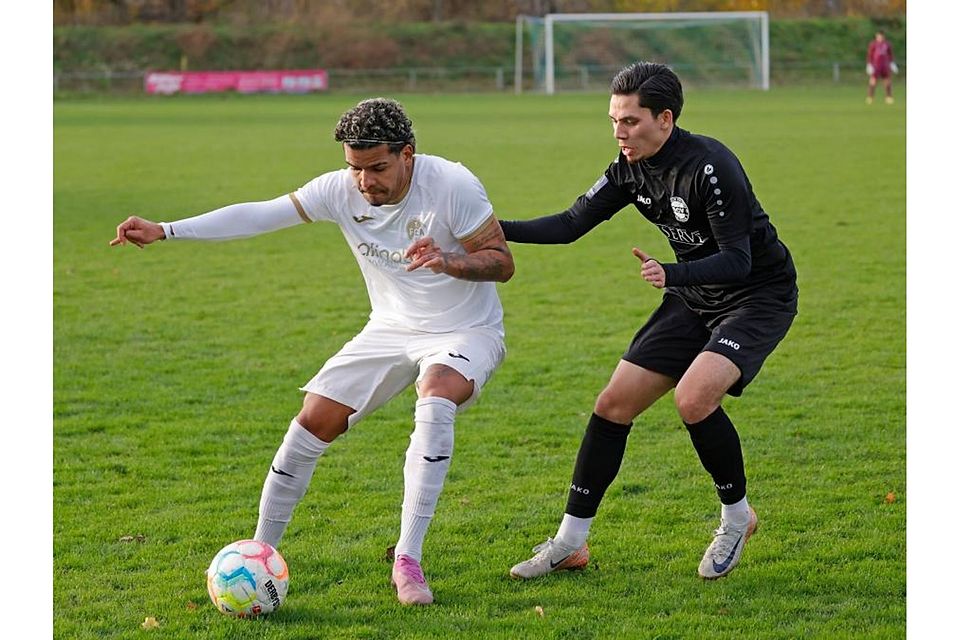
column 109, row 45
column 310, row 12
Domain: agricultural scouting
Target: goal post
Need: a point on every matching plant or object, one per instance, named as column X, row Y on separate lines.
column 709, row 47
column 534, row 25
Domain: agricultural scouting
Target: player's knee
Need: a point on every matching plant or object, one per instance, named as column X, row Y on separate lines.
column 693, row 405
column 442, row 381
column 322, row 422
column 613, row 406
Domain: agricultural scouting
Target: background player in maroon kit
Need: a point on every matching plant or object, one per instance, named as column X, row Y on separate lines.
column 880, row 64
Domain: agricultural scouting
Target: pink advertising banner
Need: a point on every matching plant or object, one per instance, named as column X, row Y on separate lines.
column 294, row 81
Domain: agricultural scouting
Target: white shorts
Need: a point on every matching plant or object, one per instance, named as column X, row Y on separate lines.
column 381, row 361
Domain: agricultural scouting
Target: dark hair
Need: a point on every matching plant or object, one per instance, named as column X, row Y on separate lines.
column 374, row 122
column 657, row 86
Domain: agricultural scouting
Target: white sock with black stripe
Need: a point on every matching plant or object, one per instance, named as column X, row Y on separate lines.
column 287, row 481
column 427, row 462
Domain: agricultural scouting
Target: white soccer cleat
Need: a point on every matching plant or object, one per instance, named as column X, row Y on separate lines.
column 551, row 556
column 723, row 554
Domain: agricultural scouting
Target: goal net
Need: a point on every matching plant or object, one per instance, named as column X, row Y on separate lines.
column 583, row 51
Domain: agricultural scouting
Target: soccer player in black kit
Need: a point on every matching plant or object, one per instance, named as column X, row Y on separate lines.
column 728, row 301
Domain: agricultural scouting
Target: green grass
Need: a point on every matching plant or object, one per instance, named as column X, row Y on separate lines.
column 176, row 371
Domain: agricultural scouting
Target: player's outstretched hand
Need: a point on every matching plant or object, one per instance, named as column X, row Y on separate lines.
column 651, row 270
column 425, row 253
column 137, row 231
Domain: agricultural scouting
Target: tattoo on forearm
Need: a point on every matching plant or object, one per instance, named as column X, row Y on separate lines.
column 488, row 257
column 487, row 264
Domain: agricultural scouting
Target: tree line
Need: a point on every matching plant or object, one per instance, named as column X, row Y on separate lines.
column 308, row 12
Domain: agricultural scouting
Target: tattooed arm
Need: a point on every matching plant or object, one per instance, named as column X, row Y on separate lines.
column 487, row 257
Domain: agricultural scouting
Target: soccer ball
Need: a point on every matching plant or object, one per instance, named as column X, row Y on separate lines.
column 247, row 578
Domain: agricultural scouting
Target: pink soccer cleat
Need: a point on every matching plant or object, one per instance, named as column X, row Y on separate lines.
column 408, row 580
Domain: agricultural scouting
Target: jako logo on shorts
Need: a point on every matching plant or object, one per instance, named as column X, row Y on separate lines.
column 730, row 343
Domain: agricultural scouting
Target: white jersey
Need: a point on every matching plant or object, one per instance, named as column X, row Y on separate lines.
column 445, row 202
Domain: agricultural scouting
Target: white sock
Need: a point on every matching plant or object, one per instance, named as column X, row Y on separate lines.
column 428, row 458
column 573, row 531
column 737, row 513
column 287, row 481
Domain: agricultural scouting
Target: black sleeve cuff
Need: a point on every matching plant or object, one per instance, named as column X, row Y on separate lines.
column 731, row 264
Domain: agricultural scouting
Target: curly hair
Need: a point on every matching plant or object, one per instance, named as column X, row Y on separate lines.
column 374, row 122
column 656, row 84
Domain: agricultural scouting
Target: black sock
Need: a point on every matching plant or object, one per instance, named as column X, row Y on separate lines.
column 598, row 461
column 718, row 446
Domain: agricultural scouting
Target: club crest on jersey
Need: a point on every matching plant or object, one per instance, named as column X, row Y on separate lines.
column 680, row 210
column 414, row 229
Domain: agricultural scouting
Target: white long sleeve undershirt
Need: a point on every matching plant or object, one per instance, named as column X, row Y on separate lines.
column 236, row 221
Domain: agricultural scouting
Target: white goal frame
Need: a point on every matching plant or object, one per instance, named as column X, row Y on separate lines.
column 761, row 48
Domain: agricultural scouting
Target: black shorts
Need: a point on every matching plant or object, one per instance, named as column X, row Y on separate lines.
column 675, row 334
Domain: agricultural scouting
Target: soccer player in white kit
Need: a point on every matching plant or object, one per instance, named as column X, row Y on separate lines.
column 430, row 249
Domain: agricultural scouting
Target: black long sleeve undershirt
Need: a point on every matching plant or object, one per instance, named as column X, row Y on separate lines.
column 560, row 228
column 731, row 264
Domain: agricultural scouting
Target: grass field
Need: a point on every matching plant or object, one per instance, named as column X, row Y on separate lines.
column 176, row 371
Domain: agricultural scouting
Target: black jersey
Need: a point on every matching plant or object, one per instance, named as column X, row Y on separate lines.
column 695, row 191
